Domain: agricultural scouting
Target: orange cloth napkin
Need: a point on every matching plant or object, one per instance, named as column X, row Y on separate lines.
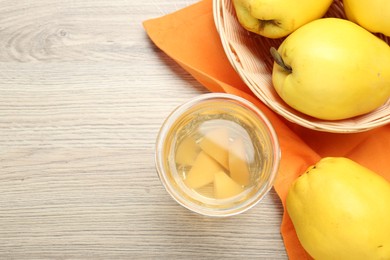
column 189, row 37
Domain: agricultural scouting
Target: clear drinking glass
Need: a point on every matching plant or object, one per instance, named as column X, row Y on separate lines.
column 243, row 121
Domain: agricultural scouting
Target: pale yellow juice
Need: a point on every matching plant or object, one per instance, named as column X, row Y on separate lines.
column 218, row 157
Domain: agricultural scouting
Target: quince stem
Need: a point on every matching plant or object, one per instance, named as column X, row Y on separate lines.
column 278, row 59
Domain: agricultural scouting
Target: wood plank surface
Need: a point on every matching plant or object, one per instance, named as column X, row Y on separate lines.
column 83, row 93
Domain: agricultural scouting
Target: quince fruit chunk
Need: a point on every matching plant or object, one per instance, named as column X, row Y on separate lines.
column 202, row 171
column 187, row 151
column 238, row 162
column 215, row 143
column 224, row 186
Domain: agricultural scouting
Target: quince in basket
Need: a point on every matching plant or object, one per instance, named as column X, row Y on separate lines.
column 372, row 15
column 332, row 69
column 340, row 210
column 276, row 19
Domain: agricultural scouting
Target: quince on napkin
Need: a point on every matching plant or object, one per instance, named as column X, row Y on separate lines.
column 190, row 38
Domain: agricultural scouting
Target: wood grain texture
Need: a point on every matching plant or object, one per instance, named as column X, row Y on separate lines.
column 83, row 93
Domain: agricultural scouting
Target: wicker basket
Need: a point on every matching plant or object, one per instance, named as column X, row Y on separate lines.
column 249, row 55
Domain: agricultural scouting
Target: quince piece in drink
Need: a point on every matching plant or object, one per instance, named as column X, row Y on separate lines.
column 224, row 186
column 238, row 162
column 215, row 143
column 202, row 171
column 187, row 151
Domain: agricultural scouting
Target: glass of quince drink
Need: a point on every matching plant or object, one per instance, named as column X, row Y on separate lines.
column 217, row 154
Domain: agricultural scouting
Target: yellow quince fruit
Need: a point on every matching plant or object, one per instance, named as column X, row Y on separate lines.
column 278, row 18
column 372, row 15
column 332, row 69
column 340, row 210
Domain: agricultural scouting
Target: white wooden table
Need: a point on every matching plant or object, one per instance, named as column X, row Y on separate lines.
column 83, row 93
